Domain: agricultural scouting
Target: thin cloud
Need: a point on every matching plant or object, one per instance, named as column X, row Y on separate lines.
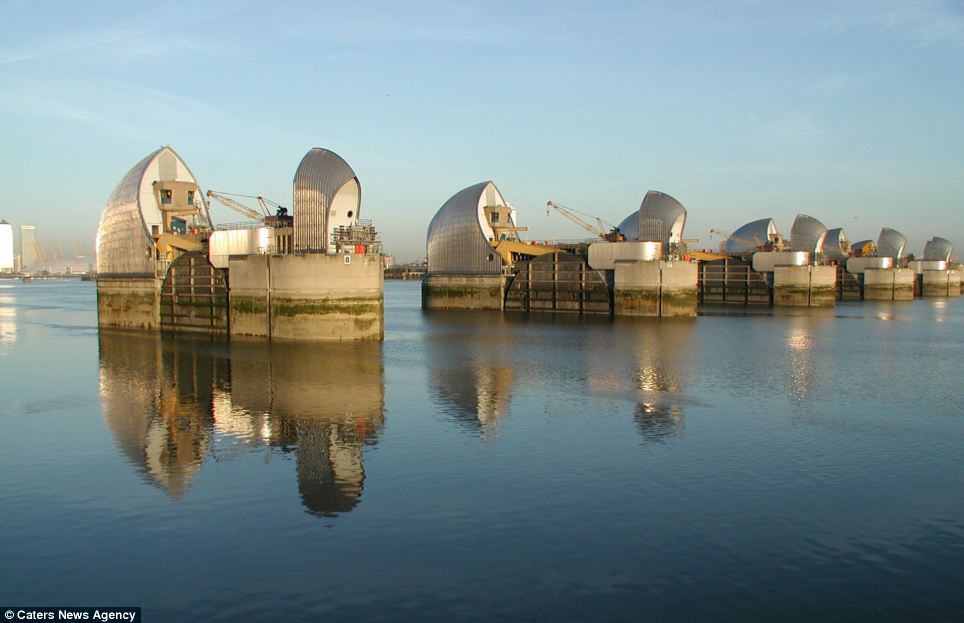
column 71, row 43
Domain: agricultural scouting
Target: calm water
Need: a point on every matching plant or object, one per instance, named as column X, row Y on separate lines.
column 797, row 466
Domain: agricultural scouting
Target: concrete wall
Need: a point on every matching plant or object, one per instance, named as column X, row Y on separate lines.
column 889, row 284
column 823, row 286
column 791, row 286
column 654, row 288
column 879, row 284
column 804, row 286
column 678, row 293
column 904, row 284
column 307, row 297
column 248, row 297
column 637, row 288
column 463, row 291
column 129, row 303
column 941, row 283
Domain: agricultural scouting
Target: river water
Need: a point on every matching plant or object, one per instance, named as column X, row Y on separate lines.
column 794, row 465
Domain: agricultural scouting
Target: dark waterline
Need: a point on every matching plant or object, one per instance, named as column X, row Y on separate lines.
column 776, row 466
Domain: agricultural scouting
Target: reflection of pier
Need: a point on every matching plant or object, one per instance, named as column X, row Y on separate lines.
column 660, row 379
column 472, row 379
column 173, row 403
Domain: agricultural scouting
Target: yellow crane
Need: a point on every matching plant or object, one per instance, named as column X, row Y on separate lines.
column 600, row 229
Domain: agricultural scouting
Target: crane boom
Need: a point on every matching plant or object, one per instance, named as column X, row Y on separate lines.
column 236, row 206
column 599, row 229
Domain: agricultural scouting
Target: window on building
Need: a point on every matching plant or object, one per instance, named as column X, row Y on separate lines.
column 166, row 196
column 495, row 217
column 190, row 197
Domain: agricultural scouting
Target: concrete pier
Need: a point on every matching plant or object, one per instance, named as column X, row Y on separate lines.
column 940, row 283
column 889, row 284
column 440, row 291
column 879, row 284
column 636, row 291
column 904, row 284
column 129, row 303
column 655, row 288
column 804, row 286
column 307, row 297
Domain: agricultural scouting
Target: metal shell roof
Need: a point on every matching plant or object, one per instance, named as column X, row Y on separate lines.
column 660, row 218
column 750, row 237
column 938, row 249
column 124, row 242
column 320, row 175
column 456, row 242
column 864, row 248
column 835, row 245
column 891, row 243
column 807, row 234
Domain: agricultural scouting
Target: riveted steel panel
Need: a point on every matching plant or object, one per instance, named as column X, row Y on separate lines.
column 455, row 242
column 750, row 237
column 124, row 243
column 660, row 218
column 891, row 243
column 320, row 175
column 938, row 249
column 835, row 245
column 807, row 235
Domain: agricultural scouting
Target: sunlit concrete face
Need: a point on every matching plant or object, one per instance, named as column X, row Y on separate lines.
column 125, row 246
column 891, row 243
column 458, row 236
column 807, row 234
column 327, row 195
column 751, row 237
column 659, row 218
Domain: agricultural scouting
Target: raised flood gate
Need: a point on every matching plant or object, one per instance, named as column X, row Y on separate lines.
column 194, row 297
column 850, row 287
column 559, row 282
column 733, row 281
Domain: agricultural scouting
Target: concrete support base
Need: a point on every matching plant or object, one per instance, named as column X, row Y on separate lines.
column 463, row 291
column 941, row 283
column 307, row 297
column 904, row 284
column 889, row 284
column 129, row 303
column 654, row 288
column 804, row 286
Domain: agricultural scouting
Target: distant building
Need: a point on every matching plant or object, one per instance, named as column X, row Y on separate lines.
column 28, row 246
column 6, row 247
column 388, row 260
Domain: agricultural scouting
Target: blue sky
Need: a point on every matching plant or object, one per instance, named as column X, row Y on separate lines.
column 851, row 112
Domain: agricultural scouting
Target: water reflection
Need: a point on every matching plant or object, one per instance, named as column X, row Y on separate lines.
column 173, row 404
column 479, row 362
column 471, row 375
column 801, row 368
column 8, row 323
column 663, row 359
